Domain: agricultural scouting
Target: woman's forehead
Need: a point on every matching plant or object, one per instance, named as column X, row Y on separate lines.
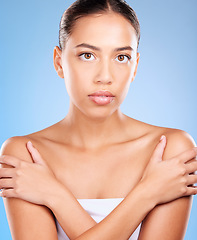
column 104, row 29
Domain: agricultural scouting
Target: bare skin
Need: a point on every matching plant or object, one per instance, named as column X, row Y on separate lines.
column 177, row 210
column 91, row 141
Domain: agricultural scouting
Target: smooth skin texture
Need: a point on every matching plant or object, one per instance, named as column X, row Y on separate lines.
column 92, row 142
column 172, row 185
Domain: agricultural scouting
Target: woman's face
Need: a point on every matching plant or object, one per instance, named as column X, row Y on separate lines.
column 100, row 55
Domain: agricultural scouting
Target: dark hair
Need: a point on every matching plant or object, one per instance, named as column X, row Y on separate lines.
column 82, row 8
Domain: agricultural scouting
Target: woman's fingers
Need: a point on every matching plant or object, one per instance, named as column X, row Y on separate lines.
column 15, row 162
column 6, row 183
column 191, row 191
column 9, row 160
column 191, row 167
column 35, row 154
column 191, row 179
column 7, row 193
column 158, row 152
column 187, row 155
column 7, row 172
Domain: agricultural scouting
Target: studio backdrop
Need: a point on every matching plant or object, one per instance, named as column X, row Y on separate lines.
column 33, row 97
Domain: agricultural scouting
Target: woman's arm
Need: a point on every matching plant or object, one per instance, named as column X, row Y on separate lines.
column 169, row 221
column 26, row 220
column 166, row 221
column 36, row 221
column 130, row 204
column 32, row 221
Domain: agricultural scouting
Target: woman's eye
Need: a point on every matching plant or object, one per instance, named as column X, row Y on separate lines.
column 123, row 58
column 87, row 56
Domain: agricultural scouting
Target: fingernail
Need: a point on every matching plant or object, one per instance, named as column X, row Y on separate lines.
column 1, row 192
column 30, row 143
column 162, row 137
column 195, row 148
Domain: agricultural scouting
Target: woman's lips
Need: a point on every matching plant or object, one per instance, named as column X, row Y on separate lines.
column 101, row 97
column 101, row 100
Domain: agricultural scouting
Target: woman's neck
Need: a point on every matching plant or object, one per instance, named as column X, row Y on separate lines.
column 94, row 132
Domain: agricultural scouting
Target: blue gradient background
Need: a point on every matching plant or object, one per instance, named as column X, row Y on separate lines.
column 32, row 96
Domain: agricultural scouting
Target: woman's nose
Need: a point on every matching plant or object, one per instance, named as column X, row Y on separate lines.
column 104, row 73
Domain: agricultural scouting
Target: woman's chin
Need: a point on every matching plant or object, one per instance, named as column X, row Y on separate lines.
column 100, row 114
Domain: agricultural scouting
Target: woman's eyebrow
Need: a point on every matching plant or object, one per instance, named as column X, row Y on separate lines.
column 123, row 48
column 86, row 45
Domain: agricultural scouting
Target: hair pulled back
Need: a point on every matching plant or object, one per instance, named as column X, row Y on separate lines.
column 82, row 8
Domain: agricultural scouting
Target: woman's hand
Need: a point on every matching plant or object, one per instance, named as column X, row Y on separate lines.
column 173, row 178
column 33, row 182
column 165, row 180
column 162, row 181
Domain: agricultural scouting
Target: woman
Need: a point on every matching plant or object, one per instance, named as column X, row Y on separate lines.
column 97, row 154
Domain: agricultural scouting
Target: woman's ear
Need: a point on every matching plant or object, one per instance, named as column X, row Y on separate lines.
column 137, row 61
column 57, row 61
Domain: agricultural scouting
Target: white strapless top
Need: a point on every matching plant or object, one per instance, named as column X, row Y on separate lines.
column 98, row 209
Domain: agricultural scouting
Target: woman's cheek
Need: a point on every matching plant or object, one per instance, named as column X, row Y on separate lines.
column 124, row 80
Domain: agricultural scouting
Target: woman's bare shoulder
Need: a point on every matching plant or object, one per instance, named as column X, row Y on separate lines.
column 36, row 137
column 177, row 139
column 174, row 136
column 16, row 145
column 155, row 129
